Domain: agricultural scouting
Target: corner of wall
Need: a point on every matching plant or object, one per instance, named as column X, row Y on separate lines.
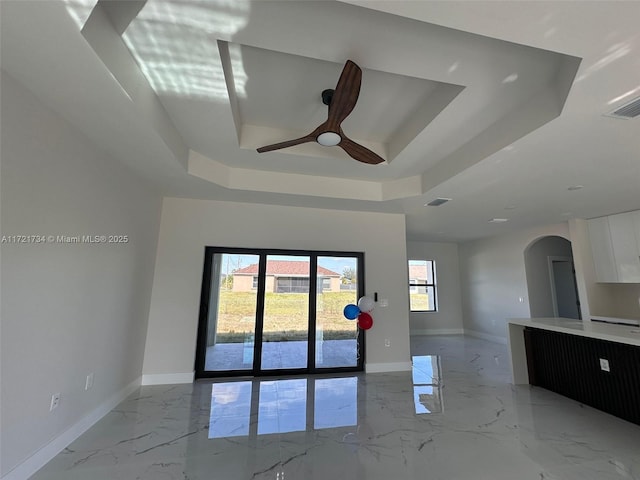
column 582, row 261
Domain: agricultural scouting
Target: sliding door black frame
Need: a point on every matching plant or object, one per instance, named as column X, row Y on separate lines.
column 256, row 370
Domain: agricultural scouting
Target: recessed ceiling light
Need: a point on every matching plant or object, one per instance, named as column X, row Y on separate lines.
column 511, row 78
column 566, row 214
column 498, row 220
column 575, row 187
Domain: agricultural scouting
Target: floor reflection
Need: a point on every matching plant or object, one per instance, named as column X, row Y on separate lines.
column 263, row 407
column 335, row 402
column 230, row 409
column 427, row 384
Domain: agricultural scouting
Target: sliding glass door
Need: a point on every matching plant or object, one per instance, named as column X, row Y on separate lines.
column 285, row 330
column 231, row 315
column 336, row 338
column 273, row 312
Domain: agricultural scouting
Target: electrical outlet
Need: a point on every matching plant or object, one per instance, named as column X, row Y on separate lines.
column 604, row 365
column 55, row 401
column 89, row 382
column 387, row 342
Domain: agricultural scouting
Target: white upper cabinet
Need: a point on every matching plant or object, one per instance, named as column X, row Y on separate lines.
column 625, row 246
column 615, row 245
column 602, row 250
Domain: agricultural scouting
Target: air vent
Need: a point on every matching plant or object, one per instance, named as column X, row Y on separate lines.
column 437, row 202
column 627, row 111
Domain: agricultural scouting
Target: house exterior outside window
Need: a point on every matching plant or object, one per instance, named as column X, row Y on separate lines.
column 422, row 286
column 284, row 276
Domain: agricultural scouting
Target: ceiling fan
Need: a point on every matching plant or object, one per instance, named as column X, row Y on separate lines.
column 341, row 102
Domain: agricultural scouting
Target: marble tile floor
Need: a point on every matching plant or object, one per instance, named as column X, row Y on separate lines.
column 454, row 417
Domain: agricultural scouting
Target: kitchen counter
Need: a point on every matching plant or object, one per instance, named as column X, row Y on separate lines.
column 625, row 321
column 625, row 334
column 628, row 334
column 593, row 363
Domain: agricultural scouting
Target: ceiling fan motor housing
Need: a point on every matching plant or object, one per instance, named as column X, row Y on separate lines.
column 327, row 95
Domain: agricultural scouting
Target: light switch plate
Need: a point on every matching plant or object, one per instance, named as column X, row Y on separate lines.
column 604, row 365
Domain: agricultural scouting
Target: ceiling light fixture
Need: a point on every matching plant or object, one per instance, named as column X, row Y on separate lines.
column 498, row 220
column 575, row 187
column 329, row 139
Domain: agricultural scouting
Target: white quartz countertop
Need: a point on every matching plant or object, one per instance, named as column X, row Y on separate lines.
column 615, row 333
column 627, row 321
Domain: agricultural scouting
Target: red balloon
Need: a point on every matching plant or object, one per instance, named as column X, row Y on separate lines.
column 365, row 321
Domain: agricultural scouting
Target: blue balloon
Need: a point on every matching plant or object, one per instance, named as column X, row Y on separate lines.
column 351, row 311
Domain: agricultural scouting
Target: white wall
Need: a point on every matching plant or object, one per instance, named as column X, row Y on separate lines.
column 188, row 226
column 493, row 279
column 67, row 309
column 448, row 318
column 626, row 301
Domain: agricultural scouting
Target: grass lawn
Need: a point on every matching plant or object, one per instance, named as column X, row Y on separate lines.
column 286, row 316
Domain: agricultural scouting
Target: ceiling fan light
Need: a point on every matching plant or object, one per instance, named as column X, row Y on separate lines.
column 329, row 139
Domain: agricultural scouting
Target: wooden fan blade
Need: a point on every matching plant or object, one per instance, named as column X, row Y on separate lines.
column 359, row 153
column 345, row 95
column 288, row 143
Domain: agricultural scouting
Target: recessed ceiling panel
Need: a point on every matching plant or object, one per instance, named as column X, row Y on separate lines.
column 282, row 92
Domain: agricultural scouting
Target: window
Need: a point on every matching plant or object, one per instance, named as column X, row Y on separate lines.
column 254, row 286
column 422, row 286
column 292, row 285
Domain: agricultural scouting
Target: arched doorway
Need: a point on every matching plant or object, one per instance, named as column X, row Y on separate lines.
column 551, row 280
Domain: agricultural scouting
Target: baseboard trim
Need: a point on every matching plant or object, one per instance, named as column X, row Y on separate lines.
column 387, row 367
column 438, row 331
column 486, row 336
column 41, row 457
column 167, row 378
